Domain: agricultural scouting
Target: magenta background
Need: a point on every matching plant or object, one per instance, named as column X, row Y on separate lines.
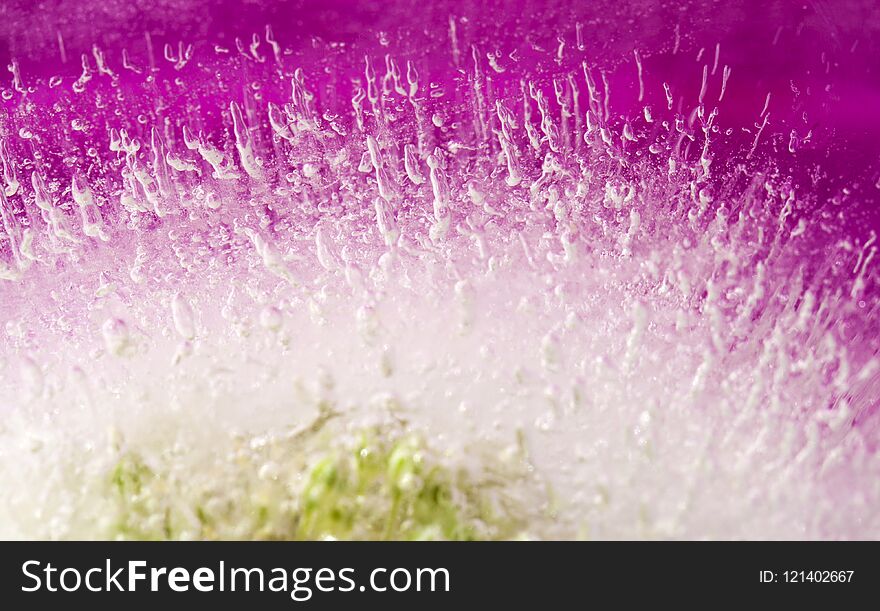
column 839, row 97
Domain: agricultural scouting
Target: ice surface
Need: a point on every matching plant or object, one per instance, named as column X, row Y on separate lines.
column 632, row 244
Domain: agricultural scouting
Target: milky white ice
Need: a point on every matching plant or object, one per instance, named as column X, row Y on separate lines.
column 458, row 291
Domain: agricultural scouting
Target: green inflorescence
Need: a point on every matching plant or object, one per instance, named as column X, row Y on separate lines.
column 378, row 484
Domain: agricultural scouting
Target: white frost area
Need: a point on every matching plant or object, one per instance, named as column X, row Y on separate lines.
column 639, row 411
